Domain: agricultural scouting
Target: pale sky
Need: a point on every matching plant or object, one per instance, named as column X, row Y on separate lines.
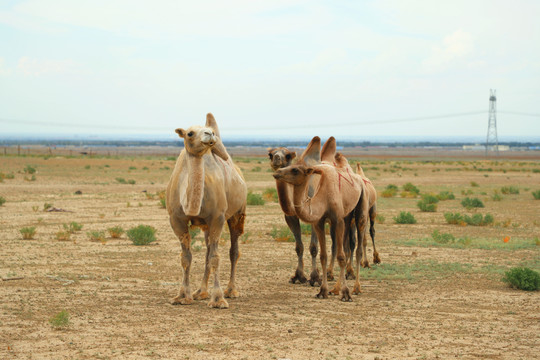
column 269, row 68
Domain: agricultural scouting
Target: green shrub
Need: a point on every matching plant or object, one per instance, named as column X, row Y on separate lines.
column 115, row 232
column 281, row 234
column 72, row 227
column 142, row 234
column 380, row 219
column 390, row 191
column 60, row 320
column 254, row 199
column 29, row 169
column 121, row 180
column 63, row 236
column 474, row 184
column 2, row 200
column 131, row 182
column 270, row 194
column 47, row 206
column 496, row 196
column 522, row 278
column 442, row 238
column 426, row 206
column 470, row 203
column 405, row 218
column 453, row 218
column 478, row 219
column 509, row 190
column 96, row 236
column 409, row 187
column 162, row 203
column 446, row 195
column 536, row 194
column 28, row 232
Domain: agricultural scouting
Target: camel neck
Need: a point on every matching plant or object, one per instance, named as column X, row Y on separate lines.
column 195, row 188
column 284, row 198
column 306, row 207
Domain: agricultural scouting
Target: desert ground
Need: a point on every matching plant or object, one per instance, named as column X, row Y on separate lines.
column 430, row 298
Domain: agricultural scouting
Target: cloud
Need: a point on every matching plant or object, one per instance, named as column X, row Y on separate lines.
column 39, row 67
column 455, row 50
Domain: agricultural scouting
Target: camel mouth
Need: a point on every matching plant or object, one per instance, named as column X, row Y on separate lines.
column 277, row 176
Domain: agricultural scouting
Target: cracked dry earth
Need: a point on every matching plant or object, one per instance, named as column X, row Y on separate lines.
column 424, row 301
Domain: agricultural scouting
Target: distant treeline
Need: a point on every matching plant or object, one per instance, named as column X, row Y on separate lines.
column 254, row 143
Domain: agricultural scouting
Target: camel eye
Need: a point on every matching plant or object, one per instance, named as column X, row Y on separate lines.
column 295, row 171
column 190, row 134
column 288, row 157
column 270, row 155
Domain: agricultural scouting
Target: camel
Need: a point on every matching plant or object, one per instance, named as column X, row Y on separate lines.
column 371, row 194
column 336, row 197
column 206, row 189
column 280, row 158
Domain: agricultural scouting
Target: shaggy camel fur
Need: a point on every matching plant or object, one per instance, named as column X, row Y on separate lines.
column 280, row 158
column 371, row 194
column 335, row 199
column 206, row 189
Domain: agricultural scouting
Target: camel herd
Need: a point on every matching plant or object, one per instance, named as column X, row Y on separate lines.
column 206, row 189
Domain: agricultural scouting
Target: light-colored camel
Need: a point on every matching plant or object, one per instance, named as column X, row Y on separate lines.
column 206, row 189
column 335, row 198
column 280, row 158
column 371, row 194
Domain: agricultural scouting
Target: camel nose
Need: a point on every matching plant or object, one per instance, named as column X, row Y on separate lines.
column 276, row 175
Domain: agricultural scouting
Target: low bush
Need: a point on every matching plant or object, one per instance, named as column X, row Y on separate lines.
column 470, row 203
column 254, row 199
column 474, row 184
column 454, row 218
column 162, row 203
column 63, row 236
column 60, row 320
column 29, row 169
column 96, row 236
column 536, row 194
column 509, row 190
column 446, row 195
column 72, row 227
column 409, row 187
column 478, row 219
column 115, row 232
column 522, row 278
column 496, row 196
column 281, row 234
column 142, row 234
column 2, row 200
column 28, row 232
column 405, row 218
column 426, row 206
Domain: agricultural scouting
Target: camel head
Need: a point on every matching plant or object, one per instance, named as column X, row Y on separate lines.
column 295, row 174
column 280, row 157
column 198, row 140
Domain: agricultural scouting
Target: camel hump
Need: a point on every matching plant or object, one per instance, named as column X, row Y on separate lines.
column 328, row 151
column 359, row 170
column 311, row 154
column 212, row 123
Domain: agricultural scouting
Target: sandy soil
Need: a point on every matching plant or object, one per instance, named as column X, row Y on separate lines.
column 422, row 302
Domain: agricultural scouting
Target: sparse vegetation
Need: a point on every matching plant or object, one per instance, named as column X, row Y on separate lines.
column 405, row 217
column 390, row 191
column 29, row 169
column 281, row 234
column 380, row 219
column 96, row 236
column 47, row 206
column 410, row 189
column 115, row 232
column 510, row 190
column 2, row 200
column 496, row 196
column 72, row 227
column 446, row 195
column 142, row 235
column 522, row 278
column 474, row 184
column 536, row 194
column 162, row 203
column 270, row 194
column 63, row 235
column 254, row 199
column 121, row 180
column 470, row 203
column 60, row 320
column 28, row 232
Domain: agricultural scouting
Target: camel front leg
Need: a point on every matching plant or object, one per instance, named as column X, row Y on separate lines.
column 315, row 277
column 341, row 284
column 294, row 224
column 216, row 225
column 236, row 228
column 184, row 293
column 202, row 292
column 319, row 230
column 372, row 217
column 361, row 221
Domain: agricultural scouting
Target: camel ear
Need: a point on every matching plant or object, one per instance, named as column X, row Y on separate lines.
column 180, row 132
column 211, row 123
column 359, row 170
column 328, row 151
column 293, row 154
column 219, row 150
column 270, row 150
column 310, row 156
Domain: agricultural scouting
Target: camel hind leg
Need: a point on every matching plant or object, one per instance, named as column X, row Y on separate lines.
column 215, row 227
column 350, row 240
column 330, row 271
column 372, row 217
column 236, row 228
column 294, row 224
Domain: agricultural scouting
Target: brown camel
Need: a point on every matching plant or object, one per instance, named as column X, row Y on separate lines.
column 371, row 194
column 206, row 189
column 280, row 158
column 335, row 198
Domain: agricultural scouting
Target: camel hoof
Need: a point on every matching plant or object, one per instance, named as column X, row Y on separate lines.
column 315, row 278
column 219, row 304
column 345, row 295
column 178, row 300
column 350, row 275
column 334, row 291
column 357, row 289
column 365, row 264
column 231, row 293
column 200, row 295
column 329, row 276
column 298, row 276
column 323, row 294
column 376, row 258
